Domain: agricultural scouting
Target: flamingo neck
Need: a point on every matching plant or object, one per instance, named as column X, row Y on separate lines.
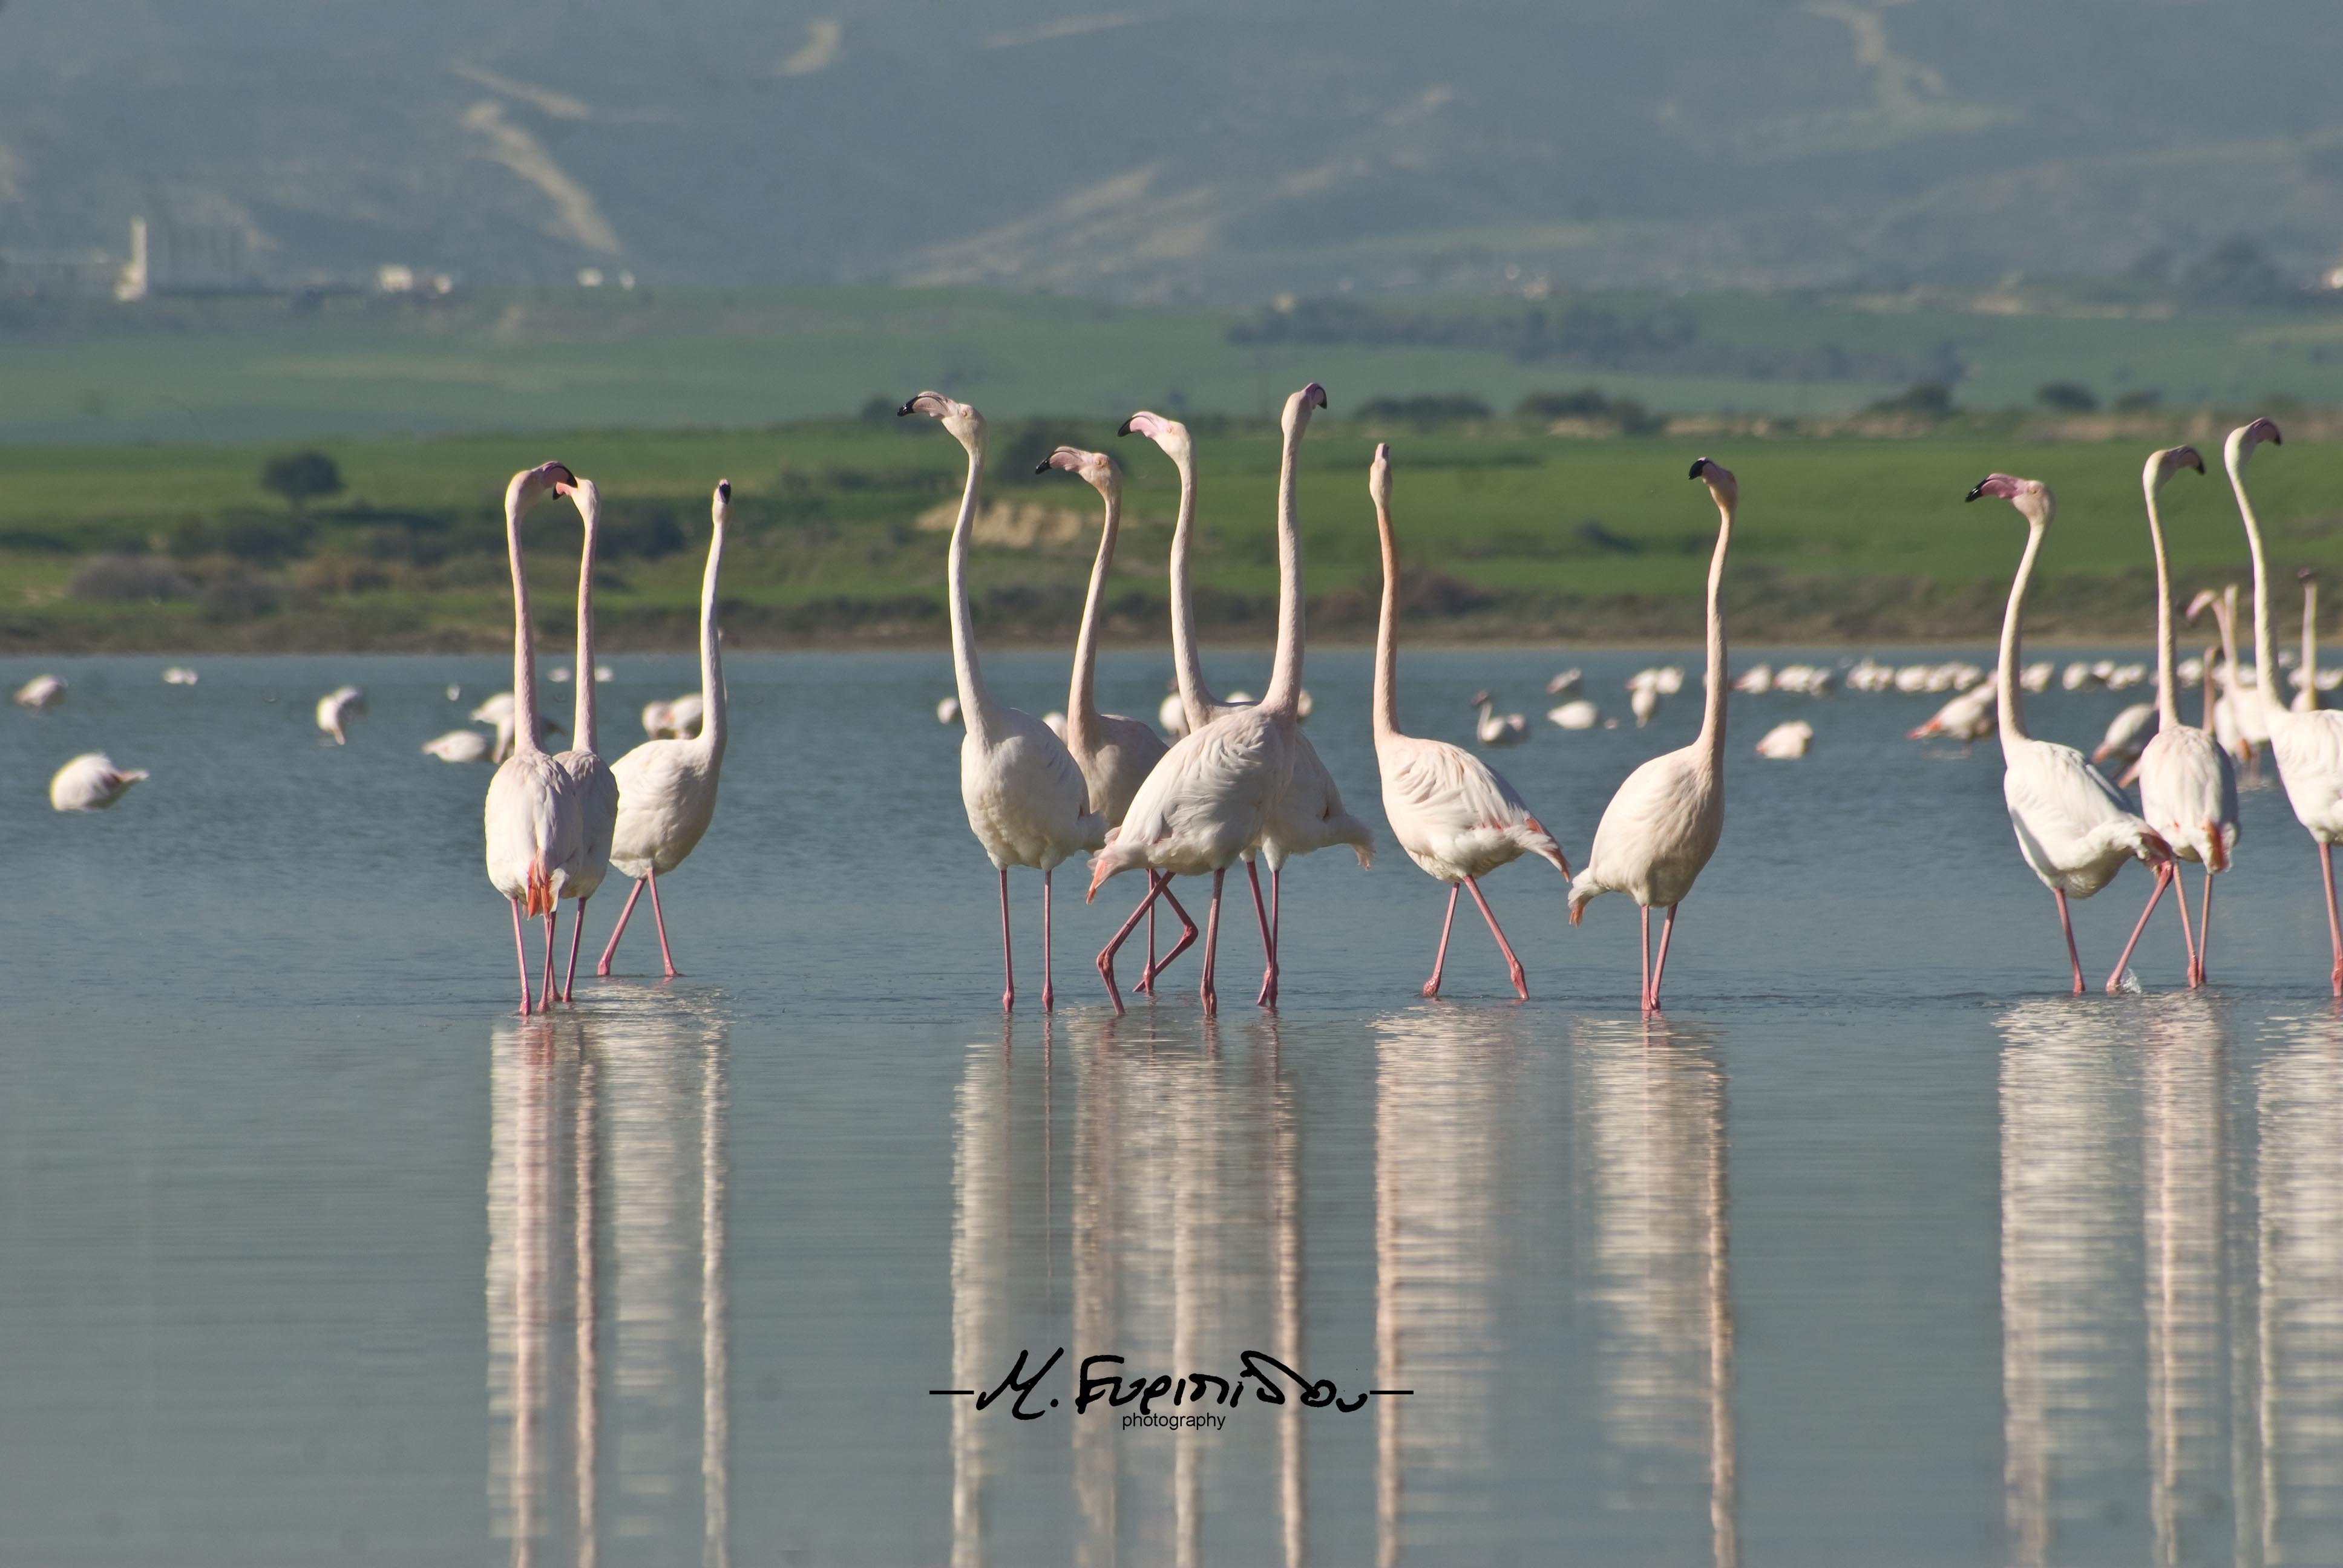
column 2012, row 711
column 582, row 713
column 1082, row 700
column 1387, row 715
column 2310, row 642
column 2265, row 645
column 2224, row 615
column 2168, row 698
column 1284, row 694
column 2212, row 661
column 974, row 706
column 1196, row 699
column 711, row 653
column 524, row 640
column 1712, row 719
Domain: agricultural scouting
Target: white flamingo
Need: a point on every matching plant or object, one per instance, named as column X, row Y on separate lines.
column 1495, row 729
column 667, row 788
column 1967, row 719
column 1223, row 789
column 1663, row 823
column 1026, row 799
column 2072, row 827
column 679, row 717
column 1565, row 684
column 597, row 789
column 498, row 711
column 1453, row 814
column 1580, row 714
column 459, row 745
column 1786, row 743
column 2128, row 734
column 2308, row 746
column 91, row 782
column 336, row 708
column 1115, row 754
column 533, row 819
column 1309, row 815
column 2188, row 786
column 41, row 693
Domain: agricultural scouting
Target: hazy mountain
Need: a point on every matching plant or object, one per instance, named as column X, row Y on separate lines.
column 1191, row 147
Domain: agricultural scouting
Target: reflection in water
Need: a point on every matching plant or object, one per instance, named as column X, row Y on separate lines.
column 2183, row 1176
column 1651, row 1152
column 605, row 1283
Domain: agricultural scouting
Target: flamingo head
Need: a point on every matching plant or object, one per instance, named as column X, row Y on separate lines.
column 961, row 419
column 1379, row 477
column 1480, row 699
column 1169, row 434
column 2162, row 465
column 1298, row 408
column 719, row 508
column 2306, row 574
column 2206, row 599
column 2245, row 437
column 2032, row 498
column 1721, row 485
column 1096, row 468
column 531, row 485
column 583, row 494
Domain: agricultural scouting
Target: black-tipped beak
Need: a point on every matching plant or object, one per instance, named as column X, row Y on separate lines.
column 1697, row 464
column 2198, row 464
column 904, row 409
column 1123, row 428
column 724, row 489
column 2276, row 439
column 1042, row 467
column 1978, row 489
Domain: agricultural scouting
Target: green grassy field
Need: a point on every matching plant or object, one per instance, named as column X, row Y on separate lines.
column 1506, row 532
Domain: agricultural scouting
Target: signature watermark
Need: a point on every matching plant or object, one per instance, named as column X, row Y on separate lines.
column 1196, row 1400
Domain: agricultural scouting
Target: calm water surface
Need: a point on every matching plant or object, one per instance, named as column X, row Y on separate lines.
column 1877, row 1250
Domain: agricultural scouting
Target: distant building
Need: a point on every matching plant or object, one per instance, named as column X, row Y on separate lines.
column 168, row 258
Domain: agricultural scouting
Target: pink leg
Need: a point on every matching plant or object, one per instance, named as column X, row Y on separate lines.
column 1007, row 963
column 2334, row 928
column 1660, row 965
column 1156, row 886
column 2067, row 925
column 2165, row 876
column 1644, row 977
column 521, row 953
column 1048, row 990
column 658, row 916
column 1147, row 975
column 1440, row 959
column 1210, row 998
column 2204, row 925
column 1188, row 933
column 1268, row 997
column 2186, row 935
column 1513, row 964
column 570, row 979
column 552, row 942
column 624, row 915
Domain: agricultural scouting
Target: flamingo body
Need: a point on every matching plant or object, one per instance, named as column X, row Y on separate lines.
column 91, row 782
column 459, row 745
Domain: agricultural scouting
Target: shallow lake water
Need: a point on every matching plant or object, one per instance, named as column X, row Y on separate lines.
column 1877, row 1248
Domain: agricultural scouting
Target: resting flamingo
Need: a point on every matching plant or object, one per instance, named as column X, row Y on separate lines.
column 2072, row 827
column 1495, row 729
column 1663, row 823
column 667, row 788
column 534, row 820
column 2188, row 786
column 1114, row 753
column 1453, row 814
column 41, row 693
column 598, row 790
column 91, row 782
column 2308, row 746
column 1218, row 792
column 1309, row 815
column 1026, row 799
column 336, row 708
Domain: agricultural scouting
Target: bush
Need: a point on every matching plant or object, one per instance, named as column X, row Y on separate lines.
column 2139, row 402
column 257, row 537
column 2067, row 397
column 300, row 477
column 1589, row 403
column 1929, row 399
column 1435, row 408
column 127, row 579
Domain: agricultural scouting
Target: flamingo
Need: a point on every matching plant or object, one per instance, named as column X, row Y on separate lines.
column 534, row 820
column 41, row 693
column 1115, row 754
column 1453, row 814
column 2072, row 827
column 2307, row 699
column 678, row 719
column 1026, row 799
column 91, row 782
column 1565, row 684
column 336, row 708
column 667, row 788
column 1576, row 715
column 2308, row 746
column 2188, row 786
column 1309, row 815
column 597, row 788
column 459, row 745
column 498, row 710
column 1663, row 823
column 1967, row 719
column 180, row 675
column 1495, row 729
column 2220, row 675
column 2128, row 732
column 1228, row 786
column 1786, row 743
column 947, row 710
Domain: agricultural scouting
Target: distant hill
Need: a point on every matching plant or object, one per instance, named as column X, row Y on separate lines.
column 1195, row 149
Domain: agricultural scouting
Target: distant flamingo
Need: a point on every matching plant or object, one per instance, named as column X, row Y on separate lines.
column 2188, row 786
column 91, row 782
column 1786, row 743
column 1495, row 729
column 533, row 819
column 598, row 790
column 336, row 708
column 1663, row 823
column 667, row 788
column 2308, row 746
column 41, row 693
column 2128, row 733
column 498, row 710
column 2072, row 827
column 2307, row 699
column 1026, row 799
column 459, row 745
column 1219, row 792
column 1114, row 753
column 1453, row 814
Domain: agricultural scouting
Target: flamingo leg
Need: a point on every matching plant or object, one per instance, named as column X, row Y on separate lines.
column 2186, row 935
column 1048, row 990
column 2204, row 927
column 658, row 916
column 1268, row 997
column 521, row 953
column 570, row 979
column 1644, row 975
column 1008, row 962
column 552, row 941
column 1440, row 959
column 604, row 967
column 1157, row 886
column 2067, row 925
column 2164, row 877
column 1210, row 997
column 2334, row 926
column 1660, row 965
column 1147, row 975
column 1513, row 964
column 1188, row 932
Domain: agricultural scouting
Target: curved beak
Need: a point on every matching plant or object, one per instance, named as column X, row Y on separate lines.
column 1123, row 428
